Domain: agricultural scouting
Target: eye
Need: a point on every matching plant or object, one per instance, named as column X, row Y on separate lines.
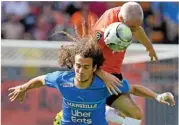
column 86, row 67
column 77, row 65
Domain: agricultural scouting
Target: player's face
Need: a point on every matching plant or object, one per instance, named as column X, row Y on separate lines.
column 83, row 68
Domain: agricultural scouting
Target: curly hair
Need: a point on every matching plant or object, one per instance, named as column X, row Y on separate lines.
column 66, row 56
column 86, row 47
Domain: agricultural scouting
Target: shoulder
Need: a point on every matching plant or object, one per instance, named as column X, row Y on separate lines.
column 107, row 18
column 68, row 75
column 59, row 75
column 114, row 9
column 57, row 78
column 98, row 83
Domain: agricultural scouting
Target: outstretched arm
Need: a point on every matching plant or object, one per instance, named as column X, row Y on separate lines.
column 18, row 92
column 142, row 91
column 139, row 35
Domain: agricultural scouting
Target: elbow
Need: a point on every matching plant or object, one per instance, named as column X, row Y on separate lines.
column 133, row 89
column 41, row 80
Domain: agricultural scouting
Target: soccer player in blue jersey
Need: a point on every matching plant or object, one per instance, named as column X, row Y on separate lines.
column 84, row 94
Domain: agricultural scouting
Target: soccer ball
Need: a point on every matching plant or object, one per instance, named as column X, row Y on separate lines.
column 117, row 36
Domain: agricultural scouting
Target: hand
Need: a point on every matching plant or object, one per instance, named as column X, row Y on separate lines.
column 152, row 54
column 166, row 98
column 17, row 93
column 112, row 83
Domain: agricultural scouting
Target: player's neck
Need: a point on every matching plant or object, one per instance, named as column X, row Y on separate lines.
column 83, row 85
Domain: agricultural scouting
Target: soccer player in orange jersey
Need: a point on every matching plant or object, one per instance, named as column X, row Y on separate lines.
column 130, row 14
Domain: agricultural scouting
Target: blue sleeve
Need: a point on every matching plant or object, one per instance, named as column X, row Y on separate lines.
column 126, row 87
column 53, row 79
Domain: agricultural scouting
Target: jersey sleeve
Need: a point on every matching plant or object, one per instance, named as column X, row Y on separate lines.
column 125, row 87
column 53, row 79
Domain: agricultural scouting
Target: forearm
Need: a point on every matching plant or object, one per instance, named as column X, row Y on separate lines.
column 33, row 83
column 142, row 91
column 140, row 35
column 100, row 73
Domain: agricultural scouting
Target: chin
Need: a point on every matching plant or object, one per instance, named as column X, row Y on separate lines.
column 82, row 80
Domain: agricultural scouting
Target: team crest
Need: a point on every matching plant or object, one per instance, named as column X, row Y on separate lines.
column 98, row 36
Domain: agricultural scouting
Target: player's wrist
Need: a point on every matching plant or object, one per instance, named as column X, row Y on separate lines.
column 158, row 97
column 23, row 87
column 149, row 46
column 161, row 96
column 101, row 73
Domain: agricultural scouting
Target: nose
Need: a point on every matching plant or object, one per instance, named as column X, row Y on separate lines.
column 81, row 70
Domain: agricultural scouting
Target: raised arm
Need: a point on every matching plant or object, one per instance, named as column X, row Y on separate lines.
column 34, row 83
column 50, row 80
column 165, row 98
column 139, row 35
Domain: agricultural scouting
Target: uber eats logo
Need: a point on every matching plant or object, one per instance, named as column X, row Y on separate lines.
column 81, row 116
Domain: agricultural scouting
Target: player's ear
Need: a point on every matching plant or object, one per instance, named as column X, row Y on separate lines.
column 120, row 18
column 95, row 68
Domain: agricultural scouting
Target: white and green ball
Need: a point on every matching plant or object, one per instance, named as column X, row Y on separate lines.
column 117, row 36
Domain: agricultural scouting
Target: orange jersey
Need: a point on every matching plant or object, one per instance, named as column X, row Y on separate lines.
column 113, row 61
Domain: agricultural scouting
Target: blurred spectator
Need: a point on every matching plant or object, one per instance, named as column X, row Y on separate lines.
column 169, row 12
column 39, row 20
column 29, row 20
column 42, row 28
column 12, row 29
column 94, row 7
column 18, row 8
column 71, row 8
column 28, row 36
column 154, row 27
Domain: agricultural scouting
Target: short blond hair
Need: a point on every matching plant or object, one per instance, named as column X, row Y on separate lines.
column 132, row 11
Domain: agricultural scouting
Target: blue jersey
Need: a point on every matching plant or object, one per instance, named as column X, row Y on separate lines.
column 81, row 106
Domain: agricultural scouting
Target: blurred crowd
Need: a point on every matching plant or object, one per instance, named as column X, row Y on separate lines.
column 37, row 20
